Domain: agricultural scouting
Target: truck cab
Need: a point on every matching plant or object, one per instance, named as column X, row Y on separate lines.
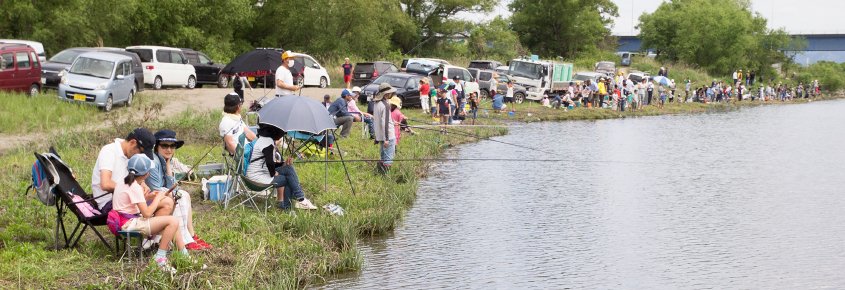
column 540, row 77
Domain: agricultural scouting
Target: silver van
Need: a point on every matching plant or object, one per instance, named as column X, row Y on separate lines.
column 99, row 78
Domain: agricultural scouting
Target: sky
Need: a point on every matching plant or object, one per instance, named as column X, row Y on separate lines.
column 797, row 17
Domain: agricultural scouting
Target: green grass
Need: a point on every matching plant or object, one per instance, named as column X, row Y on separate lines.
column 20, row 113
column 280, row 250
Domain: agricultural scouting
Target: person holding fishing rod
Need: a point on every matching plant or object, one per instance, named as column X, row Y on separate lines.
column 284, row 78
column 383, row 125
column 162, row 177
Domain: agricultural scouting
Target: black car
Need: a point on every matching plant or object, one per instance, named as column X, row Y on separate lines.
column 61, row 61
column 208, row 72
column 484, row 64
column 407, row 88
column 365, row 72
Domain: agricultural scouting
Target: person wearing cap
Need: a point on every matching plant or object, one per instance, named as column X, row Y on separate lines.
column 444, row 106
column 339, row 110
column 110, row 167
column 284, row 78
column 383, row 126
column 162, row 178
column 231, row 125
column 357, row 114
column 425, row 89
column 135, row 208
column 347, row 72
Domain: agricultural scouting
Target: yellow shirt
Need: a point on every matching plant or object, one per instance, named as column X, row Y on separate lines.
column 602, row 89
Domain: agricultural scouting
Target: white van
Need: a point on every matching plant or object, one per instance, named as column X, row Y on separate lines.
column 165, row 66
column 310, row 73
column 37, row 46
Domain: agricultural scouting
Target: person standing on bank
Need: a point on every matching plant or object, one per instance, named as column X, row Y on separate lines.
column 384, row 125
column 347, row 72
column 239, row 84
column 284, row 79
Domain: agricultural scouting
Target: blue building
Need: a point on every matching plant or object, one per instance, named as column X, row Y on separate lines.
column 820, row 47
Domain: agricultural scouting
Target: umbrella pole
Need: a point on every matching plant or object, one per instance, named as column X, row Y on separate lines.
column 326, row 164
column 340, row 153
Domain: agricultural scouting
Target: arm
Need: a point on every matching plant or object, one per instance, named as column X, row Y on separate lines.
column 106, row 184
column 147, row 211
column 268, row 159
column 282, row 84
column 231, row 143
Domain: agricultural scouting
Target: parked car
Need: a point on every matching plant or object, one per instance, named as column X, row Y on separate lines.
column 420, row 66
column 608, row 68
column 207, row 71
column 638, row 76
column 37, row 46
column 99, row 78
column 365, row 72
column 20, row 69
column 580, row 77
column 484, row 64
column 434, row 62
column 625, row 58
column 407, row 88
column 310, row 72
column 52, row 69
column 450, row 72
column 503, row 69
column 165, row 66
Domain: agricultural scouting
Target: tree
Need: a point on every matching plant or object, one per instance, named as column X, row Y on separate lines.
column 718, row 35
column 562, row 27
column 494, row 40
column 434, row 19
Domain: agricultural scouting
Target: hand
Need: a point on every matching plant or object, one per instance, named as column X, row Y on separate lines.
column 289, row 161
column 386, row 144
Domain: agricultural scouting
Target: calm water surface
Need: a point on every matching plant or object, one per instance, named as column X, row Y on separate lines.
column 748, row 199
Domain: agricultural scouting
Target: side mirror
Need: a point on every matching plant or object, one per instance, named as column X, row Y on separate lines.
column 184, row 61
column 317, row 66
column 120, row 77
column 210, row 62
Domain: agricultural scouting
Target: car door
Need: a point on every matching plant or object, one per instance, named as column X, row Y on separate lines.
column 182, row 69
column 125, row 85
column 206, row 71
column 164, row 67
column 25, row 74
column 312, row 74
column 7, row 70
column 411, row 94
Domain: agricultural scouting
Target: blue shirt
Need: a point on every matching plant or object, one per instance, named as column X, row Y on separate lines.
column 339, row 108
column 498, row 102
column 158, row 179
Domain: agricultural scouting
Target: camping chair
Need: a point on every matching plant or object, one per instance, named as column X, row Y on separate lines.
column 309, row 144
column 71, row 198
column 241, row 186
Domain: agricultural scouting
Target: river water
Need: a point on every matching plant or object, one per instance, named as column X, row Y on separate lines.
column 747, row 199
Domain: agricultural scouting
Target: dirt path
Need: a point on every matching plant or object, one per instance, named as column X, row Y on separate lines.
column 174, row 102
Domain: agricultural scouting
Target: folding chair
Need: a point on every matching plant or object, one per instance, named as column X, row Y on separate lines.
column 241, row 186
column 66, row 188
column 310, row 144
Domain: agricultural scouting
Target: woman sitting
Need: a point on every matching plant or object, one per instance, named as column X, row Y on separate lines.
column 265, row 167
column 357, row 114
column 162, row 178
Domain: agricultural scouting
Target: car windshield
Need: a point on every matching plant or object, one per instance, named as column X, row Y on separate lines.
column 526, row 69
column 93, row 67
column 393, row 80
column 66, row 56
column 582, row 77
column 605, row 66
column 421, row 66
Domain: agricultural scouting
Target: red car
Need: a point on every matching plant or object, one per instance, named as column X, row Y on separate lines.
column 20, row 69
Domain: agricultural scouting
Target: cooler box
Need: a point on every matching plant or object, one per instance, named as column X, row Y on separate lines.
column 218, row 186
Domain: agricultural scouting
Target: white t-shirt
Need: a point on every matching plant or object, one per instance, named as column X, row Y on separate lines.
column 283, row 74
column 257, row 169
column 231, row 124
column 110, row 158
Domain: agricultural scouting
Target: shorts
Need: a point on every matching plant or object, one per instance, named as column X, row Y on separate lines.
column 347, row 78
column 138, row 224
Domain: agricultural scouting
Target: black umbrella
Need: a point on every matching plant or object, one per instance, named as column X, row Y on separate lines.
column 258, row 62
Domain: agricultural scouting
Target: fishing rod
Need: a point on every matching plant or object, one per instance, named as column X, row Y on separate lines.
column 467, row 134
column 474, row 159
column 189, row 172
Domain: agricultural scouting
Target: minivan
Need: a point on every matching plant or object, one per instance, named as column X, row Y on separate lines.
column 37, row 46
column 165, row 66
column 484, row 64
column 365, row 72
column 20, row 69
column 53, row 69
column 99, row 78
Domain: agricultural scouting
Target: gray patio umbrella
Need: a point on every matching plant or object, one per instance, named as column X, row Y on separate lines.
column 296, row 113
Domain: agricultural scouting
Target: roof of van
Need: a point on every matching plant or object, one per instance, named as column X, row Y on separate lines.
column 105, row 56
column 4, row 46
column 35, row 44
column 152, row 47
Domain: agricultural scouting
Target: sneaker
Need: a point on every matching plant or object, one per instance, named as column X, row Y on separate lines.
column 305, row 204
column 194, row 247
column 201, row 242
column 164, row 265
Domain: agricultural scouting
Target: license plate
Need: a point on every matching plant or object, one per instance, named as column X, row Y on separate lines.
column 78, row 97
column 364, row 75
column 43, row 81
column 251, row 79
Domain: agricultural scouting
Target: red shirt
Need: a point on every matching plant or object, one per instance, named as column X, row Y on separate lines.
column 425, row 89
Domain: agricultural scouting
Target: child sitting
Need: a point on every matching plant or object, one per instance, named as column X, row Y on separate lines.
column 131, row 212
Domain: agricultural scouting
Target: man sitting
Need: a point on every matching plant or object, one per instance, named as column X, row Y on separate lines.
column 232, row 126
column 339, row 109
column 112, row 161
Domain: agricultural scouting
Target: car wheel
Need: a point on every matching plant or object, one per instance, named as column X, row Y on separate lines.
column 324, row 82
column 192, row 82
column 485, row 94
column 519, row 98
column 34, row 90
column 109, row 104
column 157, row 83
column 222, row 81
column 130, row 97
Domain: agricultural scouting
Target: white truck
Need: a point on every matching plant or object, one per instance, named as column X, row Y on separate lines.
column 540, row 77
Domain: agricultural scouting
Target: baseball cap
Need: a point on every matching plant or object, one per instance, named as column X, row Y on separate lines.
column 345, row 93
column 139, row 165
column 145, row 140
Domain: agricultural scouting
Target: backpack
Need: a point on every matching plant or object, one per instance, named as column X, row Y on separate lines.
column 238, row 85
column 248, row 148
column 41, row 185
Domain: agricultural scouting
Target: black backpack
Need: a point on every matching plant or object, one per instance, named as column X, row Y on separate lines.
column 238, row 84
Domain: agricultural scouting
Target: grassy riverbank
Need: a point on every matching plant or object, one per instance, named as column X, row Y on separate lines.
column 280, row 250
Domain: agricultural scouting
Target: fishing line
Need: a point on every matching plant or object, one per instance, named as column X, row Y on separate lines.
column 467, row 134
column 476, row 159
